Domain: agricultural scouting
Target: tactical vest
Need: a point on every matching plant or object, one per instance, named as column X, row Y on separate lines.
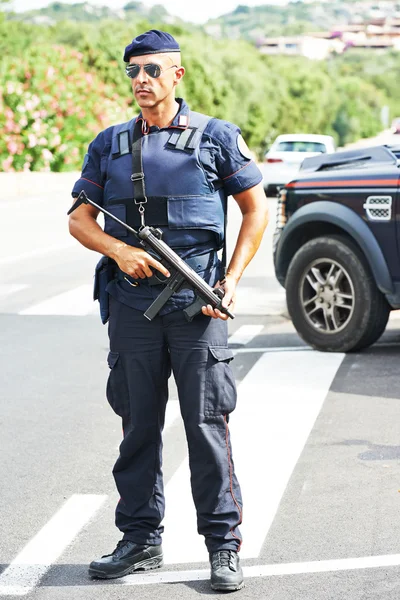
column 178, row 192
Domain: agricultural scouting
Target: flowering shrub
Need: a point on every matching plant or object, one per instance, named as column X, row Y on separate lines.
column 51, row 108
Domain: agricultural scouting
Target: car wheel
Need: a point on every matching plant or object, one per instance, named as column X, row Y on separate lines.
column 332, row 296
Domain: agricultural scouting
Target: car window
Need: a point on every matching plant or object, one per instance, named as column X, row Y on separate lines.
column 299, row 146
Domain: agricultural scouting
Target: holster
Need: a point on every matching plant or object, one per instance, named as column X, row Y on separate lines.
column 104, row 273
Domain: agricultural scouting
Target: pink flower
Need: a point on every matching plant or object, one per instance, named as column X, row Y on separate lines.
column 6, row 164
column 12, row 147
column 47, row 155
column 9, row 126
column 50, row 72
column 8, row 113
column 56, row 141
column 32, row 140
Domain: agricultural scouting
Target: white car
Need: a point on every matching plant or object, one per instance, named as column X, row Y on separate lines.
column 282, row 161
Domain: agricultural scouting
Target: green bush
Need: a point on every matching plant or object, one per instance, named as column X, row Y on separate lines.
column 50, row 108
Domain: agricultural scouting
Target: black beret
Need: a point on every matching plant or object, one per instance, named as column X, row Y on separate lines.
column 151, row 42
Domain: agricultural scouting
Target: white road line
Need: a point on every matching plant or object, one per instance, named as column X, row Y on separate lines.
column 6, row 289
column 8, row 260
column 26, row 570
column 322, row 566
column 172, row 413
column 270, row 427
column 76, row 302
column 274, row 417
column 245, row 334
column 180, row 521
column 253, row 349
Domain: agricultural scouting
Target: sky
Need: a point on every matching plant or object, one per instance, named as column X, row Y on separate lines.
column 188, row 10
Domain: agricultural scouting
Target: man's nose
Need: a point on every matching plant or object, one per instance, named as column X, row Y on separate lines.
column 143, row 76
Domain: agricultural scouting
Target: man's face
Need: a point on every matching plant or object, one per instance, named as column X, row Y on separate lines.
column 150, row 91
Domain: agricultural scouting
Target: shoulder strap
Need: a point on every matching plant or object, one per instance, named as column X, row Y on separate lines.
column 137, row 177
column 121, row 143
column 189, row 139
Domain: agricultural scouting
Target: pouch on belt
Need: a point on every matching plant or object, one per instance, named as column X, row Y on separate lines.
column 104, row 273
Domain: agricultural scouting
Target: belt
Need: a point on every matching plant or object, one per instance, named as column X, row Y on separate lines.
column 202, row 262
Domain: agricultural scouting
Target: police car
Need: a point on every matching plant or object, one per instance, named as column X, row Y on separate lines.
column 336, row 247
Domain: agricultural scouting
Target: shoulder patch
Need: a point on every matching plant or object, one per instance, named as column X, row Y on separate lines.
column 243, row 148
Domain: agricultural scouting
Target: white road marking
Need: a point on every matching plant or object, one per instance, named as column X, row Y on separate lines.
column 270, row 427
column 320, row 566
column 8, row 260
column 6, row 289
column 245, row 334
column 273, row 419
column 180, row 521
column 26, row 570
column 76, row 302
column 172, row 413
column 253, row 349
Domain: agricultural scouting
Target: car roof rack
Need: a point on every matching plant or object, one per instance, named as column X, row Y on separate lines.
column 342, row 159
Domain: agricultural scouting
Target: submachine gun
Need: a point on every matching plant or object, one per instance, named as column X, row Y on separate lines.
column 181, row 275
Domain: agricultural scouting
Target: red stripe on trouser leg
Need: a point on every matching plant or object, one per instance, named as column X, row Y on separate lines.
column 231, row 483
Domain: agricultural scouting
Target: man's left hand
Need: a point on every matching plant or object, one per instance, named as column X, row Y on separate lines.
column 228, row 301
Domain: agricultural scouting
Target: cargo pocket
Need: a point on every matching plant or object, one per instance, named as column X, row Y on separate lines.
column 117, row 389
column 220, row 387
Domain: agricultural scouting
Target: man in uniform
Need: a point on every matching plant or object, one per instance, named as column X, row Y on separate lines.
column 191, row 164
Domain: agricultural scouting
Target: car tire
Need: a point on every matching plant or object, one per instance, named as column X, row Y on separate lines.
column 332, row 297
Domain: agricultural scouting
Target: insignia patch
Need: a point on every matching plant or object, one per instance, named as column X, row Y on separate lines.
column 243, row 148
column 183, row 121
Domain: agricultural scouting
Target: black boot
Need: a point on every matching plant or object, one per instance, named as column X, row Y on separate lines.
column 126, row 558
column 226, row 572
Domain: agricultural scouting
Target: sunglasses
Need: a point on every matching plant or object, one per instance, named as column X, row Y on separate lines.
column 133, row 70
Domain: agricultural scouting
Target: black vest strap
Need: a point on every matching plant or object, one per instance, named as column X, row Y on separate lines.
column 137, row 177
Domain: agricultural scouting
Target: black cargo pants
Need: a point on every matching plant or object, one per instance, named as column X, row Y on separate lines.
column 142, row 354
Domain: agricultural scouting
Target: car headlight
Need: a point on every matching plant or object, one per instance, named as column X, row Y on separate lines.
column 281, row 217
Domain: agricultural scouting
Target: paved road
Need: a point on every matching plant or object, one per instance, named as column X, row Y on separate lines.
column 315, row 440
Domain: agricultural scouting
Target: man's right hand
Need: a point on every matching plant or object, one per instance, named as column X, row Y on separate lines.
column 136, row 262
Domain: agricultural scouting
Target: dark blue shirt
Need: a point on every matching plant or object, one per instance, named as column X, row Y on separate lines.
column 226, row 163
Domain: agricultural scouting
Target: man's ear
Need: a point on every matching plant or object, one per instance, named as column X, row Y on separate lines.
column 179, row 73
